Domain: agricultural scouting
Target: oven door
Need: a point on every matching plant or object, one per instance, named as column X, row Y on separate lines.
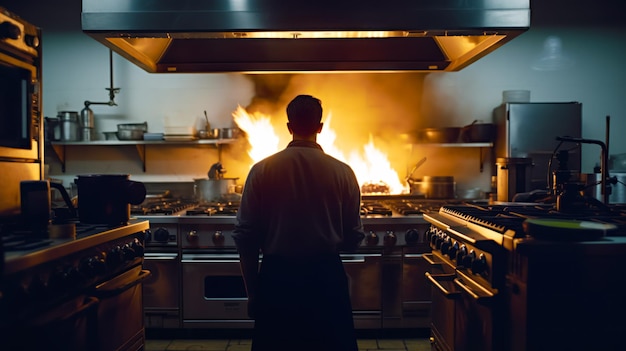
column 161, row 291
column 464, row 314
column 214, row 294
column 364, row 283
column 416, row 292
column 19, row 110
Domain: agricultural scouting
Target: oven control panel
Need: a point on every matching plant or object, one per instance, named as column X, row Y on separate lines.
column 396, row 235
column 462, row 254
column 207, row 235
column 162, row 235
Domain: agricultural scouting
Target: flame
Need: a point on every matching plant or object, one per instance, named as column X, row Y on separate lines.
column 372, row 166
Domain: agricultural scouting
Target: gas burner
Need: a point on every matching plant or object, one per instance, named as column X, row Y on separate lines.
column 214, row 209
column 371, row 208
column 161, row 206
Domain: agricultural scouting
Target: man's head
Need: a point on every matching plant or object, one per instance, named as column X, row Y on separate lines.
column 304, row 113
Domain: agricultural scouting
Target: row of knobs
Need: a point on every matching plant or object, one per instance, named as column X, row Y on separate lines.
column 9, row 30
column 441, row 241
column 64, row 279
column 389, row 239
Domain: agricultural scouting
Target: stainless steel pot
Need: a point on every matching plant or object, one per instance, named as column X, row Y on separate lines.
column 212, row 190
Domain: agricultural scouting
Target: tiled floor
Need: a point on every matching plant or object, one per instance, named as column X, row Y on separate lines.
column 162, row 341
column 244, row 345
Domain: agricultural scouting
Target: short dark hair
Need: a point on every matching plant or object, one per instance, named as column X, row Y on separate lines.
column 304, row 113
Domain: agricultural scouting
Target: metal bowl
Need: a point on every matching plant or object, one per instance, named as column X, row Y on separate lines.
column 131, row 131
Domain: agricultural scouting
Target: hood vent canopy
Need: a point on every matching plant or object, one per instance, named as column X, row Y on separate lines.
column 272, row 36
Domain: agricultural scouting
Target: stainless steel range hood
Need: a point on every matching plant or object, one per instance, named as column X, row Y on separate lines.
column 270, row 36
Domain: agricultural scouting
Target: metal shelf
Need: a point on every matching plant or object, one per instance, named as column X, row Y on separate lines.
column 59, row 147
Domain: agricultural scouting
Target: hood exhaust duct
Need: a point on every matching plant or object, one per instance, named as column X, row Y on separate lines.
column 277, row 36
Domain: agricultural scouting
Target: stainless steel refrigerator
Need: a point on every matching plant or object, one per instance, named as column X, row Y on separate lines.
column 529, row 130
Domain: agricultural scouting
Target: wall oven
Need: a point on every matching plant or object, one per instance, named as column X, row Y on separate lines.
column 21, row 134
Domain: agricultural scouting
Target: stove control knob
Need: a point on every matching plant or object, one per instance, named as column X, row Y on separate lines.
column 128, row 252
column 91, row 267
column 479, row 265
column 192, row 237
column 218, row 238
column 390, row 238
column 445, row 245
column 468, row 259
column 9, row 30
column 138, row 247
column 440, row 240
column 372, row 239
column 454, row 248
column 460, row 254
column 161, row 234
column 32, row 41
column 114, row 258
column 412, row 236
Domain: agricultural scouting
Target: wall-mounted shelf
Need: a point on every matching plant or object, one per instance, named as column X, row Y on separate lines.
column 59, row 147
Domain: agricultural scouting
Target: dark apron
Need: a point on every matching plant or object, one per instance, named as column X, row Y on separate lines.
column 303, row 304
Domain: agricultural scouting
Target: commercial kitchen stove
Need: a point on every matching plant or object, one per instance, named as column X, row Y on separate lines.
column 387, row 270
column 524, row 276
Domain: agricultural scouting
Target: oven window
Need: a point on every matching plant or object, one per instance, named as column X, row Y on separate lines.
column 224, row 287
column 15, row 107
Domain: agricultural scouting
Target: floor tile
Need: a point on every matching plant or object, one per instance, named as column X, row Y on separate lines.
column 391, row 344
column 157, row 345
column 367, row 344
column 417, row 344
column 204, row 345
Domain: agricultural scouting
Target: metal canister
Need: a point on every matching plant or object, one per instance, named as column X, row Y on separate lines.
column 88, row 123
column 70, row 126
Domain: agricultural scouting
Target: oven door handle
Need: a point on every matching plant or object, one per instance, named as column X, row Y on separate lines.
column 357, row 258
column 210, row 258
column 435, row 279
column 160, row 256
column 481, row 295
column 103, row 291
column 429, row 258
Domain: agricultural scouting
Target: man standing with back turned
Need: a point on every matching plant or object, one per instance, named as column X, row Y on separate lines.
column 300, row 207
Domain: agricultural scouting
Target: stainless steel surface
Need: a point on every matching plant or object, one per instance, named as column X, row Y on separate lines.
column 499, row 289
column 21, row 120
column 273, row 36
column 214, row 291
column 529, row 130
column 514, row 176
column 70, row 126
column 383, row 298
column 211, row 190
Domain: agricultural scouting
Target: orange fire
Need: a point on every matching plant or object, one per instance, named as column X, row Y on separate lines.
column 371, row 166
